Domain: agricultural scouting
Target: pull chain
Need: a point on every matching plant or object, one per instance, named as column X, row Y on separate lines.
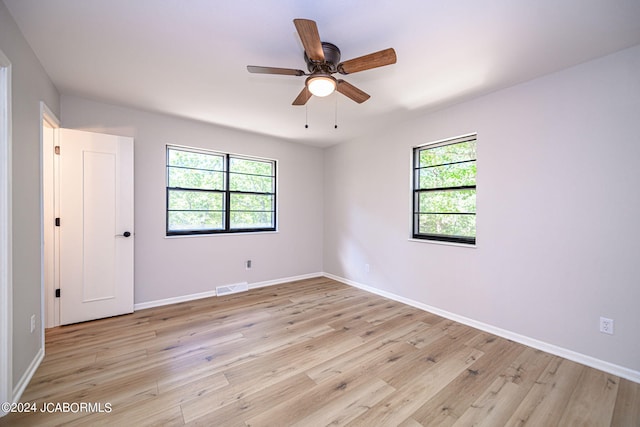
column 335, row 119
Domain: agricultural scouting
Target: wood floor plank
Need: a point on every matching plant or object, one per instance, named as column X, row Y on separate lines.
column 404, row 369
column 427, row 336
column 171, row 417
column 319, row 402
column 311, row 352
column 627, row 407
column 410, row 422
column 128, row 409
column 495, row 406
column 298, row 357
column 76, row 379
column 425, row 384
column 548, row 397
column 366, row 356
column 269, row 370
column 131, row 390
column 343, row 409
column 450, row 403
column 253, row 404
column 593, row 386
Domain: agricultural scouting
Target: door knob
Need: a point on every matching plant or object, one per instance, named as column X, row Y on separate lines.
column 126, row 234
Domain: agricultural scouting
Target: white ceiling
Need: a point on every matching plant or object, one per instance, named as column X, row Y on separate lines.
column 188, row 57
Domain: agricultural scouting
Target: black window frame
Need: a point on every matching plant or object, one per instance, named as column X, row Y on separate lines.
column 226, row 192
column 417, row 190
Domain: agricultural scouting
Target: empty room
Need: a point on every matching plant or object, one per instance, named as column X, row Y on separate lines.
column 286, row 212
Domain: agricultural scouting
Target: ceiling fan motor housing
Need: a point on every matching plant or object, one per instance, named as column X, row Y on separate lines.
column 331, row 59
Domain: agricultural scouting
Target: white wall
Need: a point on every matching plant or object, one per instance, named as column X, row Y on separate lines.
column 178, row 266
column 558, row 204
column 30, row 85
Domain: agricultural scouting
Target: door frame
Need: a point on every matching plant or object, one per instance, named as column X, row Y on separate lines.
column 6, row 278
column 49, row 234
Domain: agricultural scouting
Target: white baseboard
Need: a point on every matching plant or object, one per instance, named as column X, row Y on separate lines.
column 601, row 365
column 284, row 280
column 174, row 300
column 28, row 374
column 212, row 293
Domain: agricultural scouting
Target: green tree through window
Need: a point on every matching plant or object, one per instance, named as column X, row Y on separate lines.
column 210, row 192
column 444, row 191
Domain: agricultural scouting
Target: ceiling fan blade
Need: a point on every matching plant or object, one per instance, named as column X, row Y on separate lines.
column 367, row 62
column 308, row 31
column 303, row 97
column 350, row 91
column 274, row 70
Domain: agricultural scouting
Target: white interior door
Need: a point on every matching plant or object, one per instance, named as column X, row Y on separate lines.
column 96, row 225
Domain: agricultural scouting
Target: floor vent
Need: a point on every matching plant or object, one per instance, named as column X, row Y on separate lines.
column 232, row 289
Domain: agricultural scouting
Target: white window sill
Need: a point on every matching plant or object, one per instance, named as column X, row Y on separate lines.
column 181, row 236
column 438, row 242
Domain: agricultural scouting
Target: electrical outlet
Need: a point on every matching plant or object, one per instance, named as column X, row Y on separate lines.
column 367, row 268
column 33, row 323
column 606, row 326
column 248, row 264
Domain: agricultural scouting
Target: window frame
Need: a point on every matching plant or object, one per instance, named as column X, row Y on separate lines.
column 226, row 193
column 416, row 190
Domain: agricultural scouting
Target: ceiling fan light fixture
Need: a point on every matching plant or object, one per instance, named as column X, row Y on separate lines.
column 321, row 85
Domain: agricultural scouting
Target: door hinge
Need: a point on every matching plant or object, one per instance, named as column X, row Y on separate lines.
column 56, row 149
column 57, row 222
column 58, row 293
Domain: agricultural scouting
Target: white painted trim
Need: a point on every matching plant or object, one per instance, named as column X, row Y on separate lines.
column 47, row 114
column 28, row 374
column 50, row 313
column 192, row 236
column 173, row 300
column 602, row 365
column 446, row 141
column 284, row 280
column 6, row 278
column 212, row 293
column 443, row 243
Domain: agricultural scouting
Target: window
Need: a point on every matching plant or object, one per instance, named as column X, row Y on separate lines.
column 210, row 192
column 444, row 191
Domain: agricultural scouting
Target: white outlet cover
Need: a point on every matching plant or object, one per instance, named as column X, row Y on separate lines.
column 606, row 325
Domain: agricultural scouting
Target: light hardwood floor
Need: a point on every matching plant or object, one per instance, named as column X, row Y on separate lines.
column 312, row 353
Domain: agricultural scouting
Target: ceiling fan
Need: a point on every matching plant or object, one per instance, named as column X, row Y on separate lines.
column 323, row 60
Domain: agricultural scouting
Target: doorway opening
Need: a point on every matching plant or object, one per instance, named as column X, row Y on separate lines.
column 50, row 210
